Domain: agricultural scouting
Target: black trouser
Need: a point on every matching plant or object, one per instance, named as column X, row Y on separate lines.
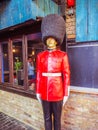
column 52, row 110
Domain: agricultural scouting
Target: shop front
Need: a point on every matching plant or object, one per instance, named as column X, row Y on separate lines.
column 17, row 44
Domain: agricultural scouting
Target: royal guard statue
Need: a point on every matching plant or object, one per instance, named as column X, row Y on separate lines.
column 53, row 72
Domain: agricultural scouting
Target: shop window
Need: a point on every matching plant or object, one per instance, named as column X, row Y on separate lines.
column 15, row 57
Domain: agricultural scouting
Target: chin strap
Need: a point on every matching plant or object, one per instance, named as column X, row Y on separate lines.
column 50, row 49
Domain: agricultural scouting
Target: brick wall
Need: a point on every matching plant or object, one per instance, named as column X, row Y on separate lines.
column 70, row 23
column 25, row 109
column 79, row 113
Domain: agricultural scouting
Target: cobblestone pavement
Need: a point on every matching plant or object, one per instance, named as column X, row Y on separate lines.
column 9, row 123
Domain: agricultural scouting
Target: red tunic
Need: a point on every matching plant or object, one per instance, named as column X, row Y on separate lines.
column 53, row 75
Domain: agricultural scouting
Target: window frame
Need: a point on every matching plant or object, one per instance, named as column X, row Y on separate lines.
column 10, row 84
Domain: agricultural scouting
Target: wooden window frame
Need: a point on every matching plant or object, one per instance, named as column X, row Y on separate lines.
column 10, row 86
column 0, row 62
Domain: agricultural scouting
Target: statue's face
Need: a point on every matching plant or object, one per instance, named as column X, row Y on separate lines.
column 51, row 43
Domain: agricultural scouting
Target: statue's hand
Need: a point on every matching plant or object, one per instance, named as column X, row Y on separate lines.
column 38, row 96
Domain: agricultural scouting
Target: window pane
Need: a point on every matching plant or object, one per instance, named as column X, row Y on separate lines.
column 18, row 62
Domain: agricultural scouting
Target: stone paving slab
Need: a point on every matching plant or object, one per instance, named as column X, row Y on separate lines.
column 9, row 123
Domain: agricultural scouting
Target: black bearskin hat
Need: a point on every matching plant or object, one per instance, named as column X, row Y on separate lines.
column 53, row 25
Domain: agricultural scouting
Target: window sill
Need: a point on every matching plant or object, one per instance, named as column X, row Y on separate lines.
column 77, row 89
column 9, row 88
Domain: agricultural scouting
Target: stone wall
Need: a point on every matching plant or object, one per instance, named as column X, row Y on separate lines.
column 79, row 113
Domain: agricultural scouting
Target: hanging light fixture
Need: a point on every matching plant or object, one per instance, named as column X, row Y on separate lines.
column 70, row 3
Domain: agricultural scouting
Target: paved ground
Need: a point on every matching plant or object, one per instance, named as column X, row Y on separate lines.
column 9, row 123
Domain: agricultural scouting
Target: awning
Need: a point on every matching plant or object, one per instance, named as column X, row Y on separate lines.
column 25, row 28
